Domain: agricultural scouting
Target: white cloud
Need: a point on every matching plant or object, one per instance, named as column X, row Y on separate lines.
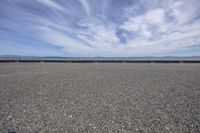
column 169, row 34
column 86, row 6
column 156, row 16
column 99, row 35
column 157, row 29
column 60, row 39
column 52, row 4
column 185, row 10
column 154, row 33
column 133, row 24
column 141, row 24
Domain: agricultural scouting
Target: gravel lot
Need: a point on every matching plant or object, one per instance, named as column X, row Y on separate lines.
column 99, row 97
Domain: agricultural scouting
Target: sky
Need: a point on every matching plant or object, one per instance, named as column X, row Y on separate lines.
column 107, row 28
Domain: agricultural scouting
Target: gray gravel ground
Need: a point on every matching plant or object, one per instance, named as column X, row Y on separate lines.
column 98, row 97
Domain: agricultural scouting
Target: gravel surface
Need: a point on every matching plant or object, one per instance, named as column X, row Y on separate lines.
column 99, row 97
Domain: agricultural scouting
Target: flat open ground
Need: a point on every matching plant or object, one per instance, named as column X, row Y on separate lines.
column 99, row 97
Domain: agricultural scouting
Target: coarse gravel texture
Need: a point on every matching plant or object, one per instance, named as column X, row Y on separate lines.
column 99, row 98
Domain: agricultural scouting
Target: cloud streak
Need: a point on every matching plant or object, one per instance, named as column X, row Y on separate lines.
column 85, row 4
column 52, row 4
column 101, row 28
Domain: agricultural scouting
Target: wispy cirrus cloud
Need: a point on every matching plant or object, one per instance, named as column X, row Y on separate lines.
column 101, row 28
column 85, row 4
column 52, row 4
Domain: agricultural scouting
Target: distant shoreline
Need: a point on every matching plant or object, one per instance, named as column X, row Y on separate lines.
column 100, row 61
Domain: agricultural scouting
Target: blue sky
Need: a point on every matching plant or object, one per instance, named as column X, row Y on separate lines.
column 114, row 28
